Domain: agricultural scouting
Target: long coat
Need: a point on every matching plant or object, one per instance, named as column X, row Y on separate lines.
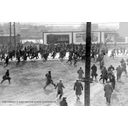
column 94, row 70
column 113, row 81
column 108, row 90
column 60, row 88
column 104, row 73
column 78, row 87
column 80, row 72
column 119, row 70
column 124, row 66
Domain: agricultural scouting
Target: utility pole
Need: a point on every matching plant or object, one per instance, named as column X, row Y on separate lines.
column 14, row 36
column 72, row 38
column 87, row 65
column 10, row 34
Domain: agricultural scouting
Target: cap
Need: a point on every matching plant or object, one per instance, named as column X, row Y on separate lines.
column 64, row 98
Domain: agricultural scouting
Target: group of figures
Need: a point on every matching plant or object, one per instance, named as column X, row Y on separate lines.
column 76, row 53
column 117, row 51
column 44, row 51
column 78, row 87
column 111, row 78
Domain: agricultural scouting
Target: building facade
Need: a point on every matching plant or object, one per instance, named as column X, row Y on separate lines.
column 7, row 43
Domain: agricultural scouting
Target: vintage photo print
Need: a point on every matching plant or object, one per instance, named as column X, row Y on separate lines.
column 63, row 64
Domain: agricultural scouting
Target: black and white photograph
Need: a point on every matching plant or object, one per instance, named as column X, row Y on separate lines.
column 63, row 64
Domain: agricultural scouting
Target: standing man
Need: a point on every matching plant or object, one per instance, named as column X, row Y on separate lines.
column 94, row 72
column 124, row 66
column 104, row 74
column 108, row 92
column 80, row 73
column 119, row 72
column 18, row 57
column 112, row 80
column 101, row 64
column 59, row 89
column 122, row 61
column 78, row 87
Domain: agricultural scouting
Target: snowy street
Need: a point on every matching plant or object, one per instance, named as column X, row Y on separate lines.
column 28, row 80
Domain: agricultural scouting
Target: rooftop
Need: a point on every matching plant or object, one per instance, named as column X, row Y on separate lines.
column 7, row 35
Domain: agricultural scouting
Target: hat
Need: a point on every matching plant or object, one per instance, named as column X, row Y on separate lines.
column 64, row 98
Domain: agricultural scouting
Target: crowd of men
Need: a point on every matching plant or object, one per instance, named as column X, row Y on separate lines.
column 109, row 76
column 112, row 75
column 116, row 51
column 76, row 53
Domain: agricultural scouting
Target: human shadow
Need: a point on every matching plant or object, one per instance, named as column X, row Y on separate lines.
column 78, row 103
column 120, row 82
column 47, row 91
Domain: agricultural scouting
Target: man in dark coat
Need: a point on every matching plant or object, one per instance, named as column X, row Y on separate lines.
column 122, row 61
column 49, row 79
column 6, row 77
column 108, row 92
column 78, row 87
column 111, row 68
column 119, row 72
column 18, row 57
column 124, row 68
column 63, row 102
column 104, row 74
column 7, row 60
column 94, row 72
column 80, row 73
column 113, row 81
column 60, row 87
column 101, row 64
column 25, row 57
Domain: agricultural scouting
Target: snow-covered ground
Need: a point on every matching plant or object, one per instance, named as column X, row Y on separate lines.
column 28, row 80
column 120, row 94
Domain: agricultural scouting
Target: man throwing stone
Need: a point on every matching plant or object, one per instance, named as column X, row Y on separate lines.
column 49, row 79
column 6, row 77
